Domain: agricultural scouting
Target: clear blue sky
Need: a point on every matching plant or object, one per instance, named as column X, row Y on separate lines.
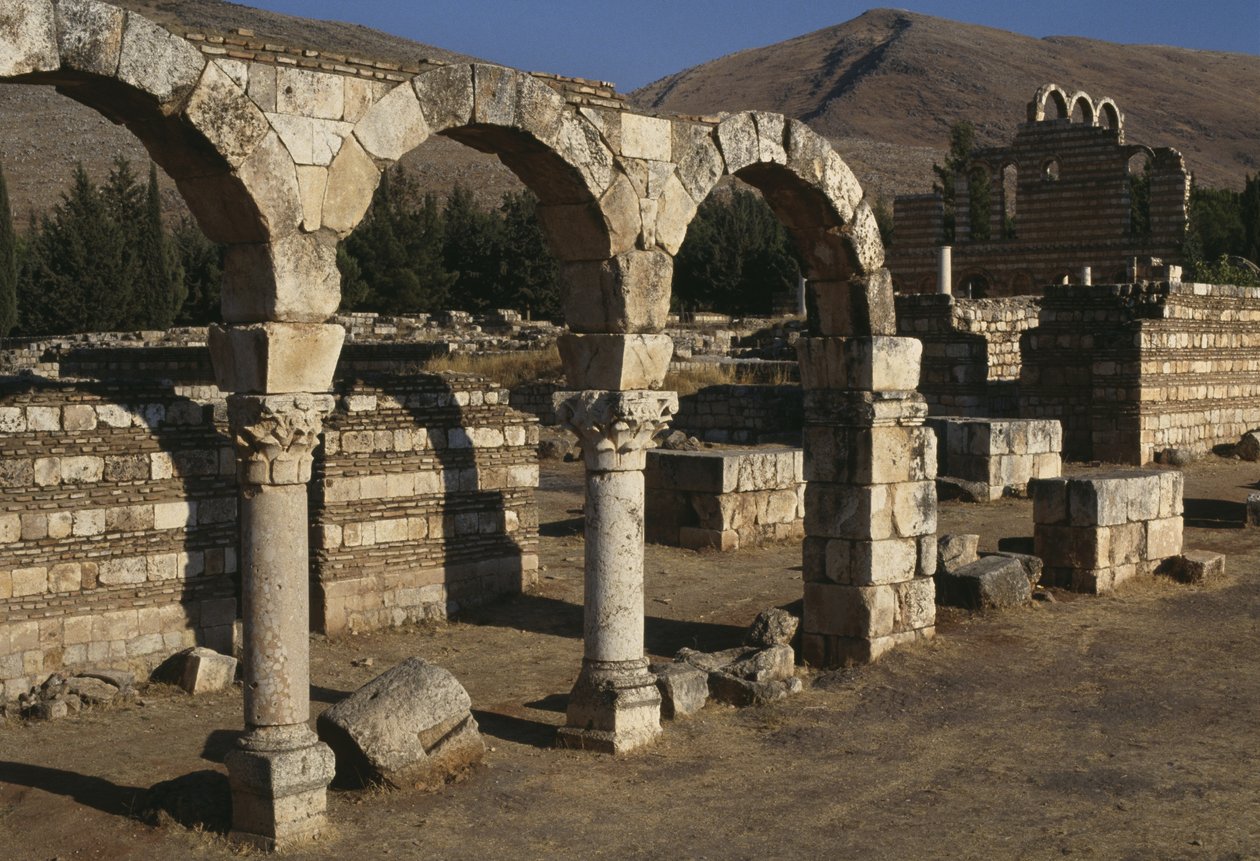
column 634, row 42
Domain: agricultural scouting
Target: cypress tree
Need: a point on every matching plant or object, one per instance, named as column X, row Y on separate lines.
column 8, row 263
column 159, row 287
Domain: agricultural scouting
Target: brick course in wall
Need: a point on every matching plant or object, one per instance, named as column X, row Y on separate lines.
column 118, row 507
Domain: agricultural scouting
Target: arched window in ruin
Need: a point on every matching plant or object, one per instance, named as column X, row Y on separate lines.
column 1050, row 171
column 1138, row 188
column 1108, row 115
column 978, row 203
column 1058, row 101
column 1010, row 193
column 1082, row 111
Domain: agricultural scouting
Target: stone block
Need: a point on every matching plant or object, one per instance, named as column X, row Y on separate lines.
column 1163, row 538
column 646, row 137
column 89, row 36
column 393, row 126
column 1033, row 566
column 877, row 364
column 628, row 294
column 684, row 689
column 410, row 727
column 990, row 583
column 1050, row 500
column 953, row 551
column 206, row 671
column 740, row 692
column 275, row 358
column 850, row 611
column 28, row 38
column 615, row 362
column 157, row 62
column 1109, row 498
column 1171, row 489
column 772, row 627
column 1198, row 566
column 873, row 455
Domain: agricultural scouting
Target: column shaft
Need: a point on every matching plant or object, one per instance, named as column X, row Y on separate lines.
column 613, row 612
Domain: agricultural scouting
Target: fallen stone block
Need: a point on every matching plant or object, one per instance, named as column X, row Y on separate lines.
column 1196, row 566
column 92, row 691
column 1253, row 510
column 120, row 679
column 773, row 627
column 411, row 727
column 1033, row 565
column 990, row 583
column 684, row 689
column 711, row 661
column 777, row 663
column 206, row 671
column 955, row 551
column 732, row 690
column 1248, row 447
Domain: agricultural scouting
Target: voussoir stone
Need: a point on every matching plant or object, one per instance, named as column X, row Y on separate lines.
column 90, row 36
column 411, row 727
column 28, row 37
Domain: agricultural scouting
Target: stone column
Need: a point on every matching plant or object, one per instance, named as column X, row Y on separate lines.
column 614, row 706
column 280, row 770
column 945, row 271
column 870, row 499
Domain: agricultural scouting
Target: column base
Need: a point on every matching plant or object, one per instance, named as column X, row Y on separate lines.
column 614, row 708
column 279, row 778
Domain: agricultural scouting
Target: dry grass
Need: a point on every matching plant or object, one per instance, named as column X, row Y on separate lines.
column 702, row 375
column 506, row 369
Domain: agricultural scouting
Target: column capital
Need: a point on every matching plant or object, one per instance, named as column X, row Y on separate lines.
column 615, row 428
column 276, row 435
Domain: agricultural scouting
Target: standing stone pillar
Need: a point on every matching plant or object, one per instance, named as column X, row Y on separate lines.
column 280, row 770
column 614, row 706
column 870, row 499
column 945, row 271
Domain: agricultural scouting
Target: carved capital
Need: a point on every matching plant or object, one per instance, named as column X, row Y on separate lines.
column 276, row 435
column 615, row 429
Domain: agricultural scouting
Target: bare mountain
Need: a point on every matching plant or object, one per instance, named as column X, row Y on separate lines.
column 886, row 87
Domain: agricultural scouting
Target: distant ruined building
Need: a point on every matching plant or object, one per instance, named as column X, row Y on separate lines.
column 1067, row 194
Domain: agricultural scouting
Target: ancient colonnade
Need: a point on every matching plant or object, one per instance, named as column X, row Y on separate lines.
column 278, row 153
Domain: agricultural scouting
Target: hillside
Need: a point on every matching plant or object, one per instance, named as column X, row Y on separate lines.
column 901, row 79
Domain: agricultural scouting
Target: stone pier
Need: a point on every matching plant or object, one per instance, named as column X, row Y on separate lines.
column 614, row 706
column 870, row 499
column 279, row 373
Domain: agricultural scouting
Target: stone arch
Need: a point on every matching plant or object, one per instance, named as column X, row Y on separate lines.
column 1049, row 95
column 819, row 200
column 588, row 207
column 1082, row 102
column 976, row 284
column 1050, row 170
column 1109, row 115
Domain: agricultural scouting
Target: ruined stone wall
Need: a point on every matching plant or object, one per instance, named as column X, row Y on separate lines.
column 1071, row 210
column 117, row 528
column 744, row 414
column 423, row 503
column 1132, row 369
column 118, row 507
column 971, row 351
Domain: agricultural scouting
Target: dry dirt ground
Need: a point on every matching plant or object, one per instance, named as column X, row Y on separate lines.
column 1121, row 727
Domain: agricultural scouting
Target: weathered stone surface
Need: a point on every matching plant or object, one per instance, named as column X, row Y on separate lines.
column 275, row 358
column 206, row 671
column 446, row 96
column 28, row 37
column 1197, row 566
column 1033, row 566
column 352, row 180
column 684, row 689
column 773, row 627
column 862, row 236
column 409, row 727
column 878, row 364
column 292, row 280
column 159, row 63
column 310, row 141
column 394, row 126
column 270, row 177
column 92, row 691
column 628, row 294
column 615, row 362
column 737, row 140
column 991, row 583
column 310, row 93
column 699, row 162
column 736, row 691
column 675, row 210
column 771, row 664
column 954, row 551
column 646, row 137
column 89, row 35
column 711, row 661
column 226, row 116
column 1248, row 447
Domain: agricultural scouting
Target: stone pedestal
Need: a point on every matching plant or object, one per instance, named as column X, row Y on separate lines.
column 280, row 770
column 615, row 705
column 870, row 500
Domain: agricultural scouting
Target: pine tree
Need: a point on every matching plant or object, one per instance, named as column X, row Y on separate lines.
column 472, row 251
column 962, row 138
column 201, row 264
column 530, row 274
column 8, row 263
column 1250, row 206
column 159, row 284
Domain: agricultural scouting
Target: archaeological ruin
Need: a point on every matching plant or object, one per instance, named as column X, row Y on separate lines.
column 1068, row 202
column 277, row 152
column 294, row 470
